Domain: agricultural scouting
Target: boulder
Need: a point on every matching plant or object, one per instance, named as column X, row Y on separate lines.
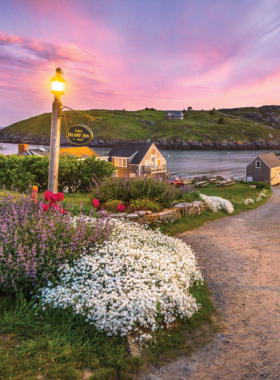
column 132, row 216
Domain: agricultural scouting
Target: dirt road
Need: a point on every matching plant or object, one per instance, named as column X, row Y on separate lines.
column 240, row 259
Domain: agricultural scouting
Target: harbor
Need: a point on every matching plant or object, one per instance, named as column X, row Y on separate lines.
column 189, row 164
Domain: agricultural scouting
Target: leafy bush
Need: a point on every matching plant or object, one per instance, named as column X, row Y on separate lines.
column 34, row 243
column 127, row 189
column 221, row 120
column 146, row 204
column 190, row 197
column 248, row 182
column 113, row 205
column 262, row 185
column 75, row 174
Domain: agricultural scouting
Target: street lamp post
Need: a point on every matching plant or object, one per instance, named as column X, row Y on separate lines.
column 58, row 89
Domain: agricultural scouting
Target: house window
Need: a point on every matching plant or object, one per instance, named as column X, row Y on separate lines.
column 122, row 162
column 258, row 164
column 158, row 162
column 153, row 151
column 147, row 163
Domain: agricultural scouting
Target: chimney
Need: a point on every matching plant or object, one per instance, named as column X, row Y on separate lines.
column 22, row 148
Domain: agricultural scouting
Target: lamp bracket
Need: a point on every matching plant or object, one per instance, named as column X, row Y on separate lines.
column 82, row 113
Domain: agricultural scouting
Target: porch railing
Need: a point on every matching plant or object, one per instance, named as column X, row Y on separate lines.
column 154, row 169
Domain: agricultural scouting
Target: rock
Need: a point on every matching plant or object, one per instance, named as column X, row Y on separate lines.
column 142, row 213
column 118, row 215
column 132, row 216
column 166, row 214
column 133, row 348
column 192, row 367
column 152, row 217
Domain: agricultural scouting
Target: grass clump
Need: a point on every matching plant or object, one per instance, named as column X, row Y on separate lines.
column 113, row 205
column 191, row 197
column 262, row 185
column 145, row 204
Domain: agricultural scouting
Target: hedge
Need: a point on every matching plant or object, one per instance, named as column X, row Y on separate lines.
column 74, row 174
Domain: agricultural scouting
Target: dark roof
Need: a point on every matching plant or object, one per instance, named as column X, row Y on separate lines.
column 127, row 150
column 270, row 159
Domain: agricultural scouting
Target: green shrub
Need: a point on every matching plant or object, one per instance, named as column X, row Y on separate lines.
column 190, row 197
column 146, row 204
column 262, row 185
column 113, row 205
column 74, row 173
column 221, row 120
column 127, row 189
column 248, row 182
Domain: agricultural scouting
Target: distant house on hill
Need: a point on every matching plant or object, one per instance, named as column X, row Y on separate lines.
column 80, row 152
column 265, row 168
column 174, row 115
column 137, row 159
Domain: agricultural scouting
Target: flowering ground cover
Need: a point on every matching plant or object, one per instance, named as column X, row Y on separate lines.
column 137, row 279
column 215, row 204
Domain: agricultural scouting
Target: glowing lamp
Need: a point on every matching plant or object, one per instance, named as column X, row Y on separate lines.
column 58, row 83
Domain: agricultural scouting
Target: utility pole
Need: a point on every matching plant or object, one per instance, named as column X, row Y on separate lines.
column 58, row 89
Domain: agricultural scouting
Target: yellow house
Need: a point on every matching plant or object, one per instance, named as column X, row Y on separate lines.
column 137, row 159
column 80, row 152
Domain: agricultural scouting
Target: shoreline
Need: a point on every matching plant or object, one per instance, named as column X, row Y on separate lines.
column 165, row 145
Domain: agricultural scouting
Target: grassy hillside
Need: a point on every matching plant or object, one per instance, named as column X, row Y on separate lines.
column 151, row 124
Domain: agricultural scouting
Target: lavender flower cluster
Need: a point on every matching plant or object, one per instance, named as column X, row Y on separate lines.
column 34, row 244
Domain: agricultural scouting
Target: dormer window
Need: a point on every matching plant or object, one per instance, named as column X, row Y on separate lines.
column 258, row 164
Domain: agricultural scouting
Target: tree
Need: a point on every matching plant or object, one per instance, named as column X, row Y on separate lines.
column 221, row 120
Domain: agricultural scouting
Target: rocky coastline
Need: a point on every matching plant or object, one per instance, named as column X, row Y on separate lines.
column 162, row 144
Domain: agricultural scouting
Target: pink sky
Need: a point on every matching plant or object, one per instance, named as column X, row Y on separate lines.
column 134, row 54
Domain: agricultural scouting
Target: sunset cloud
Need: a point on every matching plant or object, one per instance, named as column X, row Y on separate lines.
column 132, row 55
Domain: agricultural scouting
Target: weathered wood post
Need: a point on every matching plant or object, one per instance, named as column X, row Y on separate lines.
column 58, row 89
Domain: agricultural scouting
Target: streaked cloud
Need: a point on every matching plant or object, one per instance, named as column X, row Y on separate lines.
column 135, row 54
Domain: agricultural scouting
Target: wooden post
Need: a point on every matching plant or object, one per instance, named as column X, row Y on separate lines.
column 54, row 145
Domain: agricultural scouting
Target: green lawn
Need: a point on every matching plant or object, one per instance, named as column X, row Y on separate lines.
column 56, row 344
column 130, row 125
column 233, row 193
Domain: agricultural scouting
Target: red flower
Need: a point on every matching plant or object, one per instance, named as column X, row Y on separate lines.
column 120, row 207
column 54, row 197
column 47, row 195
column 45, row 208
column 62, row 211
column 95, row 202
column 60, row 196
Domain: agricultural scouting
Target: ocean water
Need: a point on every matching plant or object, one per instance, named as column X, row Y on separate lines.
column 192, row 163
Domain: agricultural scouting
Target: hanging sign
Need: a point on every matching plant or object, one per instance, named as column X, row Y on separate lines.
column 79, row 134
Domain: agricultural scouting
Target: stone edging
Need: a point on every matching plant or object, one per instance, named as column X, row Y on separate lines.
column 166, row 216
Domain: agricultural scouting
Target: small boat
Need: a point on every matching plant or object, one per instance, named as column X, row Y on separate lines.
column 4, row 147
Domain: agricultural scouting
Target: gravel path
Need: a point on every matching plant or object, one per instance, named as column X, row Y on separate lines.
column 240, row 259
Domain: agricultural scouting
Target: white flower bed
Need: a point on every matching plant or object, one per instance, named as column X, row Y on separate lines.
column 130, row 280
column 215, row 204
